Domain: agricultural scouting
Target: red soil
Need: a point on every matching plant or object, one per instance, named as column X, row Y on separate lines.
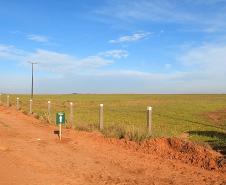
column 31, row 154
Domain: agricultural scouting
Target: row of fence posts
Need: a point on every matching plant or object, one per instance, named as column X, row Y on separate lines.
column 71, row 112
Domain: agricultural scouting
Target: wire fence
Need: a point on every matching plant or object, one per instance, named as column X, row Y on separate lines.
column 111, row 120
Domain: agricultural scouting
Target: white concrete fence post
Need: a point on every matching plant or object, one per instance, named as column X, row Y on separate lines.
column 49, row 108
column 30, row 111
column 7, row 101
column 149, row 119
column 72, row 115
column 101, row 116
column 49, row 111
column 17, row 103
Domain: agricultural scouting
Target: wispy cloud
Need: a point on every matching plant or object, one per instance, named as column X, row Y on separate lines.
column 204, row 70
column 55, row 61
column 131, row 38
column 65, row 63
column 94, row 62
column 162, row 10
column 166, row 11
column 37, row 38
column 205, row 66
column 115, row 54
column 208, row 57
column 10, row 52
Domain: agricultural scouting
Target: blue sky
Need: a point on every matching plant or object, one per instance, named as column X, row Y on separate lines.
column 113, row 46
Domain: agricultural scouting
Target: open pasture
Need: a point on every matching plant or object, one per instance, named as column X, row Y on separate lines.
column 197, row 117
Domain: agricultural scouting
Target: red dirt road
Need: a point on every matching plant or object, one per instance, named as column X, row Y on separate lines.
column 30, row 154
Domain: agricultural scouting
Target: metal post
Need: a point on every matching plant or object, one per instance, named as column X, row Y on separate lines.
column 30, row 111
column 60, row 133
column 17, row 103
column 32, row 81
column 149, row 119
column 72, row 115
column 7, row 102
column 101, row 117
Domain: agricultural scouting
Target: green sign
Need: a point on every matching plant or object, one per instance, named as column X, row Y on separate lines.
column 60, row 118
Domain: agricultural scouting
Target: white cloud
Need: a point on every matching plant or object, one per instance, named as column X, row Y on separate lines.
column 37, row 38
column 131, row 38
column 94, row 62
column 65, row 63
column 204, row 72
column 53, row 61
column 205, row 66
column 208, row 57
column 115, row 54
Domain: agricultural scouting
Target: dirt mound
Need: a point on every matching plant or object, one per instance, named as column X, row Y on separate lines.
column 178, row 149
column 191, row 153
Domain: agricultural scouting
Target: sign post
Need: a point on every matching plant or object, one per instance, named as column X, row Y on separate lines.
column 60, row 119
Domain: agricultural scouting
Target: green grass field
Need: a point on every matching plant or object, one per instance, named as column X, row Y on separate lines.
column 125, row 115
